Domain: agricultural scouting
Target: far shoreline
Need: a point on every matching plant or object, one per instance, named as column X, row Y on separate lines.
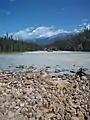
column 16, row 52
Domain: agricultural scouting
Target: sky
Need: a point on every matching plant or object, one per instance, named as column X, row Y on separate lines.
column 28, row 18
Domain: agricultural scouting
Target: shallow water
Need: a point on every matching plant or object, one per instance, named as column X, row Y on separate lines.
column 55, row 59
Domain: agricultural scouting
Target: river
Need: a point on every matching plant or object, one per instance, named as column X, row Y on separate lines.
column 63, row 59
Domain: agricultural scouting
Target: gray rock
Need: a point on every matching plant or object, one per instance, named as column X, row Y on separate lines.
column 74, row 118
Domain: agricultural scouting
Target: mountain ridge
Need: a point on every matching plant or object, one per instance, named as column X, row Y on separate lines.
column 49, row 40
column 61, row 36
column 79, row 42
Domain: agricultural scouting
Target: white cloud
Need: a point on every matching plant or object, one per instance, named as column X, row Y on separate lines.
column 80, row 25
column 39, row 32
column 88, row 26
column 85, row 20
column 62, row 9
column 84, row 23
column 44, row 31
column 5, row 12
column 76, row 30
column 11, row 0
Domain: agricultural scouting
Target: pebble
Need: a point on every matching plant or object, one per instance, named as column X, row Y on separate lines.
column 43, row 97
column 74, row 118
column 10, row 114
column 84, row 78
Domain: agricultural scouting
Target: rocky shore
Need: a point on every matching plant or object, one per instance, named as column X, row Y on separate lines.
column 32, row 94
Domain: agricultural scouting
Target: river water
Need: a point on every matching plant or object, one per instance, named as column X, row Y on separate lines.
column 40, row 59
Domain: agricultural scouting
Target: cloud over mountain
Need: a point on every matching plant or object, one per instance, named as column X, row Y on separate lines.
column 85, row 24
column 39, row 32
column 45, row 32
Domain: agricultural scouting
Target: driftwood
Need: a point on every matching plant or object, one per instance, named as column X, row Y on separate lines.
column 80, row 72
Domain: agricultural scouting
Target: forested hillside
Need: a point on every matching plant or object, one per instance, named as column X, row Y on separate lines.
column 10, row 45
column 79, row 42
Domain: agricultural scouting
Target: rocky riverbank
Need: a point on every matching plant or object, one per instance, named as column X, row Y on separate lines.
column 33, row 94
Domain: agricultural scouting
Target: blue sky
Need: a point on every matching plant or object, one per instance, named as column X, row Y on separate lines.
column 19, row 15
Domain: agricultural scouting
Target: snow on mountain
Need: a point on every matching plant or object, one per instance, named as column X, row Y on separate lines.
column 40, row 35
column 49, row 40
column 39, row 32
column 46, row 35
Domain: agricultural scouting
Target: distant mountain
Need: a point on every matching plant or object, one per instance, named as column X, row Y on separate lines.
column 79, row 42
column 60, row 36
column 49, row 40
column 44, row 35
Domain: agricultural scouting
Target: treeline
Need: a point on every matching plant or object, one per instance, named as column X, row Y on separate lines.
column 79, row 42
column 10, row 45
